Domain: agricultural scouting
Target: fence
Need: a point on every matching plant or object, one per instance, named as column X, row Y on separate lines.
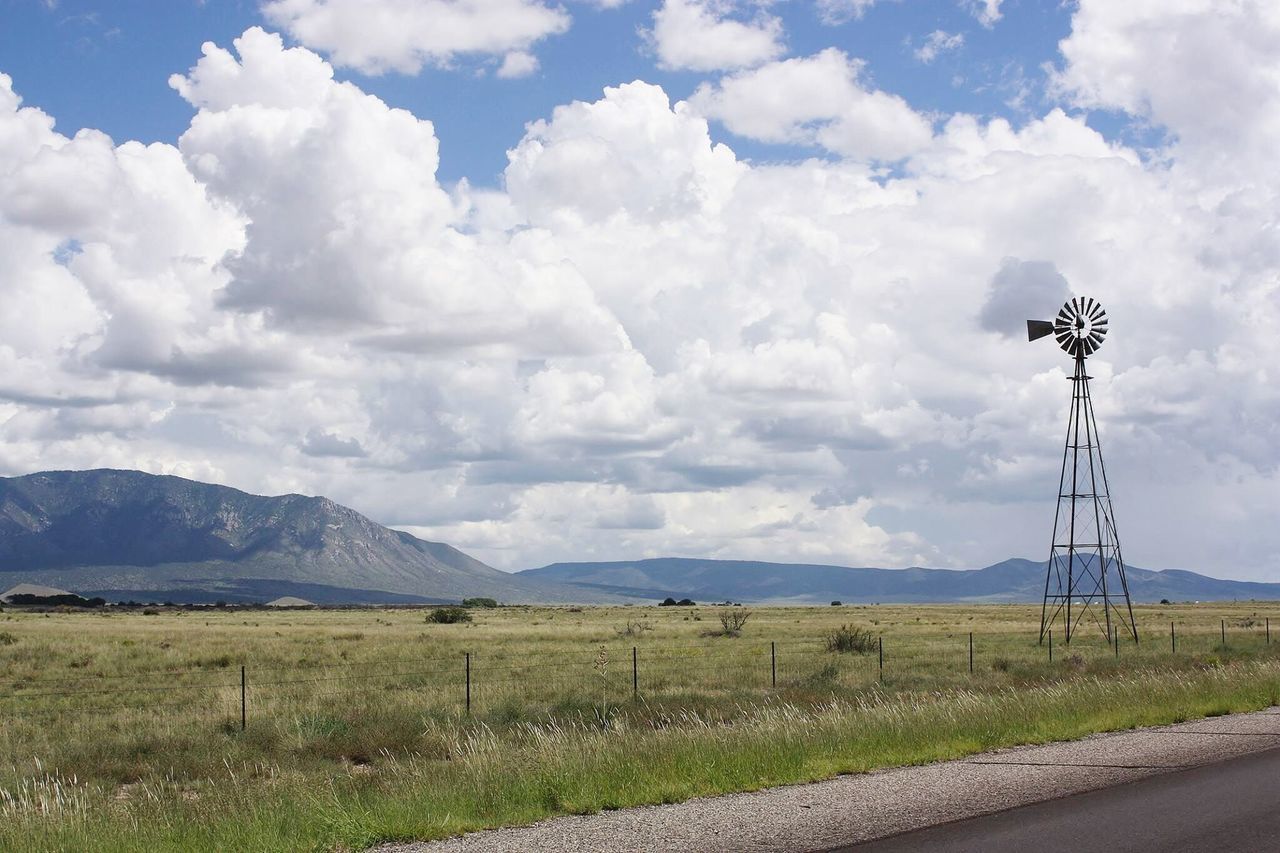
column 469, row 682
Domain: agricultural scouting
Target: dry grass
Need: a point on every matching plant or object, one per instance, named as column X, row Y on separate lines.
column 122, row 727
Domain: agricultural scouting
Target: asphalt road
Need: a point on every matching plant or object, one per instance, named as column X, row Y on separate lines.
column 1228, row 806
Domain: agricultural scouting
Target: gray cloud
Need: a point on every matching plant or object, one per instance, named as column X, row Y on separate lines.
column 1021, row 291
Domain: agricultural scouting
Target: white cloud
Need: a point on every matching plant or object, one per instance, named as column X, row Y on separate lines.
column 987, row 12
column 517, row 63
column 937, row 43
column 815, row 100
column 686, row 352
column 1205, row 71
column 699, row 35
column 836, row 12
column 376, row 36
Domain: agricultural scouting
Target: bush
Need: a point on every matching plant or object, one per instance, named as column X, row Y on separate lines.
column 634, row 628
column 837, row 604
column 7, row 639
column 684, row 602
column 668, row 602
column 449, row 615
column 850, row 638
column 731, row 621
column 479, row 602
column 1001, row 664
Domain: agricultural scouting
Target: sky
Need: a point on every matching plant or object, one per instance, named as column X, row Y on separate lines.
column 613, row 279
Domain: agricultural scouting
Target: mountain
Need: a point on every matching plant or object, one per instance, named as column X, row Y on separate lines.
column 126, row 534
column 802, row 583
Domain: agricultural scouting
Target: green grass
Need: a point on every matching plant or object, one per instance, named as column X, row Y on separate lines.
column 368, row 741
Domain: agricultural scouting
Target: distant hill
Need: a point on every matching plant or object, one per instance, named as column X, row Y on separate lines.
column 801, row 583
column 130, row 535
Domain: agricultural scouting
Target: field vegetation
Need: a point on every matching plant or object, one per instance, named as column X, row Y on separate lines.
column 124, row 729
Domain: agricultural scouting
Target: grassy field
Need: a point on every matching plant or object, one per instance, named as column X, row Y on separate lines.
column 124, row 729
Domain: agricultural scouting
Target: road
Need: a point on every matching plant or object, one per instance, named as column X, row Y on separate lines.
column 1232, row 805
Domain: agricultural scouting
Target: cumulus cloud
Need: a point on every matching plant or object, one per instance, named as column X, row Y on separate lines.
column 375, row 247
column 376, row 36
column 700, row 35
column 1206, row 73
column 815, row 100
column 690, row 352
column 517, row 63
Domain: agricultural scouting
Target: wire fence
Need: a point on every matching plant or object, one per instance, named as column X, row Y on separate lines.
column 469, row 682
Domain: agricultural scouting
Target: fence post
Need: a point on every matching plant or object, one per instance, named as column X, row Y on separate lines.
column 881, row 644
column 1224, row 633
column 773, row 662
column 1117, row 642
column 1050, row 645
column 1173, row 638
column 1268, row 630
column 635, row 672
column 971, row 653
column 244, row 707
column 468, row 659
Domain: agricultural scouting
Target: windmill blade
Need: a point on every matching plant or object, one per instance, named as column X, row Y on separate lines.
column 1096, row 337
column 1037, row 329
column 1086, row 306
column 1096, row 313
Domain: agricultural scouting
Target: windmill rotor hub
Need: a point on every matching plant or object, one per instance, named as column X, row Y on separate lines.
column 1080, row 326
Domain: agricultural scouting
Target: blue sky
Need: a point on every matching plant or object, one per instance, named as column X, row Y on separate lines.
column 106, row 66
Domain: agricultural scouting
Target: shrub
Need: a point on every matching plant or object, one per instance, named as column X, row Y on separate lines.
column 850, row 638
column 837, row 604
column 634, row 628
column 731, row 621
column 479, row 602
column 1165, row 601
column 686, row 602
column 823, row 679
column 7, row 639
column 449, row 615
column 1001, row 664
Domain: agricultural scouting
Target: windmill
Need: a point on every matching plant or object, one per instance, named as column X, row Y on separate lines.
column 1084, row 584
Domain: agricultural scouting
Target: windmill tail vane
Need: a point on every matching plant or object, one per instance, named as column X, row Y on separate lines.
column 1085, row 586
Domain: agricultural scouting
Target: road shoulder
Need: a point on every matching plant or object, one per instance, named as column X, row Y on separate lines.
column 862, row 807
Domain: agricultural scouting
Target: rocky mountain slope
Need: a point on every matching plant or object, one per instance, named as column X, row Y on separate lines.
column 129, row 534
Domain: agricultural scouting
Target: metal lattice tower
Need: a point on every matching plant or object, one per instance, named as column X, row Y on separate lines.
column 1085, row 582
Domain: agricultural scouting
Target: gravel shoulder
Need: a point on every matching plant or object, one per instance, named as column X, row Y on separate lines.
column 851, row 809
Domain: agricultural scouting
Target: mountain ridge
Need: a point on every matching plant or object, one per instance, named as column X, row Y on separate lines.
column 1012, row 580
